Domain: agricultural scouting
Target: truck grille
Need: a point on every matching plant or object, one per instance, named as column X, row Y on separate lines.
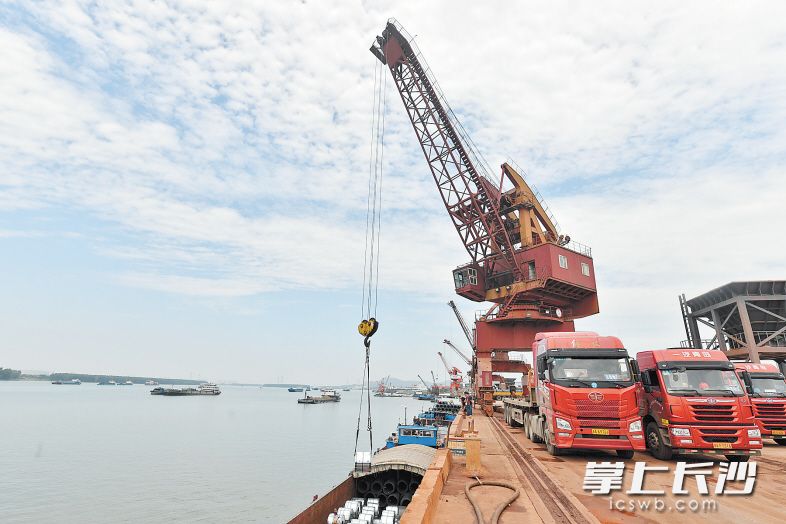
column 771, row 414
column 598, row 423
column 604, row 409
column 765, row 411
column 719, row 435
column 713, row 413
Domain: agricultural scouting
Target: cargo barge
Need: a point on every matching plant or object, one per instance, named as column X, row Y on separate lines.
column 206, row 389
column 328, row 395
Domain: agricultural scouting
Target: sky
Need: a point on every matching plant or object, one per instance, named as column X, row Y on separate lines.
column 183, row 184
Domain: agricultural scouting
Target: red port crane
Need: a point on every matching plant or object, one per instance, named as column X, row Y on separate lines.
column 454, row 373
column 537, row 279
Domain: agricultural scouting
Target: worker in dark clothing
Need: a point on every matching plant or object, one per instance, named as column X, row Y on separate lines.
column 468, row 405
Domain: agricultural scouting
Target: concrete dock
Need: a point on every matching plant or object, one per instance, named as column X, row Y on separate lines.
column 551, row 488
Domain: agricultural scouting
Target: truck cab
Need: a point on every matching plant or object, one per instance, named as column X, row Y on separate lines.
column 695, row 403
column 767, row 391
column 585, row 394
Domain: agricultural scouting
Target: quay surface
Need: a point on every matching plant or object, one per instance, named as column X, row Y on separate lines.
column 551, row 488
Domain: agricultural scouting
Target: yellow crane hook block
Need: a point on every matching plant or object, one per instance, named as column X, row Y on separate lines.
column 368, row 327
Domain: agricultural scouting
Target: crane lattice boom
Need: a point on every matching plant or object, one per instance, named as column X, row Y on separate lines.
column 468, row 196
column 464, row 357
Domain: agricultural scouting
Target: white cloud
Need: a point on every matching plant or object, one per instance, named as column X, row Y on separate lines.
column 230, row 140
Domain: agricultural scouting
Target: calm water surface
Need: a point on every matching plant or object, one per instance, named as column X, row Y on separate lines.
column 115, row 453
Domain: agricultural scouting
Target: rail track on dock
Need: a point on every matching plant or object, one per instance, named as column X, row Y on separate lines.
column 562, row 507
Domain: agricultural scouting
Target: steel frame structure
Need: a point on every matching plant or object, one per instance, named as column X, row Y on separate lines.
column 748, row 320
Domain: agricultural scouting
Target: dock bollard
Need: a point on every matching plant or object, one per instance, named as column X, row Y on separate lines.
column 472, row 446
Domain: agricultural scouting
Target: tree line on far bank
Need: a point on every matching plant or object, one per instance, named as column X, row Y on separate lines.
column 15, row 374
column 10, row 374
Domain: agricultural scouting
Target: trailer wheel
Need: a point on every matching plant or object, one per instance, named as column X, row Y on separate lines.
column 625, row 453
column 780, row 441
column 527, row 427
column 737, row 458
column 553, row 450
column 655, row 443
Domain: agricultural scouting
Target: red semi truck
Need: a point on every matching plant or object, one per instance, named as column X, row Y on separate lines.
column 582, row 393
column 695, row 403
column 767, row 391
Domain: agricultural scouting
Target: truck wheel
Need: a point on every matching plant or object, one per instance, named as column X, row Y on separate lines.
column 553, row 450
column 655, row 443
column 625, row 453
column 534, row 436
column 527, row 427
column 780, row 441
column 737, row 458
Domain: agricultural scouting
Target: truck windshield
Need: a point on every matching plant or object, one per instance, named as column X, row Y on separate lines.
column 585, row 371
column 702, row 382
column 768, row 386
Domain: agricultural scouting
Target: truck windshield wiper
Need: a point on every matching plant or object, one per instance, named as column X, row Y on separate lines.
column 693, row 391
column 585, row 384
column 732, row 393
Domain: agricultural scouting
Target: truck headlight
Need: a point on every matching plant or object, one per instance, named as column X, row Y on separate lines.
column 680, row 432
column 754, row 433
column 635, row 426
column 563, row 424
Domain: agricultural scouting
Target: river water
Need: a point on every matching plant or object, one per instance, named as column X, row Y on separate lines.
column 94, row 453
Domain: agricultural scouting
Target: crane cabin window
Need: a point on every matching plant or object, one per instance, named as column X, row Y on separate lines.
column 585, row 269
column 464, row 277
column 563, row 262
column 531, row 271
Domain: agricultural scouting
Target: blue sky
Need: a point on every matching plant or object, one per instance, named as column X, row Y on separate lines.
column 182, row 185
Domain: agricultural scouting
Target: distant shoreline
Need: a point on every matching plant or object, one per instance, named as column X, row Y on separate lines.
column 14, row 375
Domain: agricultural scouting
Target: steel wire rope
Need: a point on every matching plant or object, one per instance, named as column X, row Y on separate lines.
column 381, row 165
column 373, row 227
column 374, row 199
column 368, row 195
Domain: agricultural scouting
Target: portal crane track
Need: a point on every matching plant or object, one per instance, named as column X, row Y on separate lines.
column 560, row 505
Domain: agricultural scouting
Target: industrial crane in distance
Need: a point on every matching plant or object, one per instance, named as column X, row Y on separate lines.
column 454, row 373
column 464, row 357
column 434, row 390
column 470, row 362
column 537, row 278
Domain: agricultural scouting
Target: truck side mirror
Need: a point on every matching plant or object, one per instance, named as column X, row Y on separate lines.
column 634, row 366
column 645, row 380
column 746, row 379
column 542, row 367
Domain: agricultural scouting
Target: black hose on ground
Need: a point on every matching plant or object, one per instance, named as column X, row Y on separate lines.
column 502, row 507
